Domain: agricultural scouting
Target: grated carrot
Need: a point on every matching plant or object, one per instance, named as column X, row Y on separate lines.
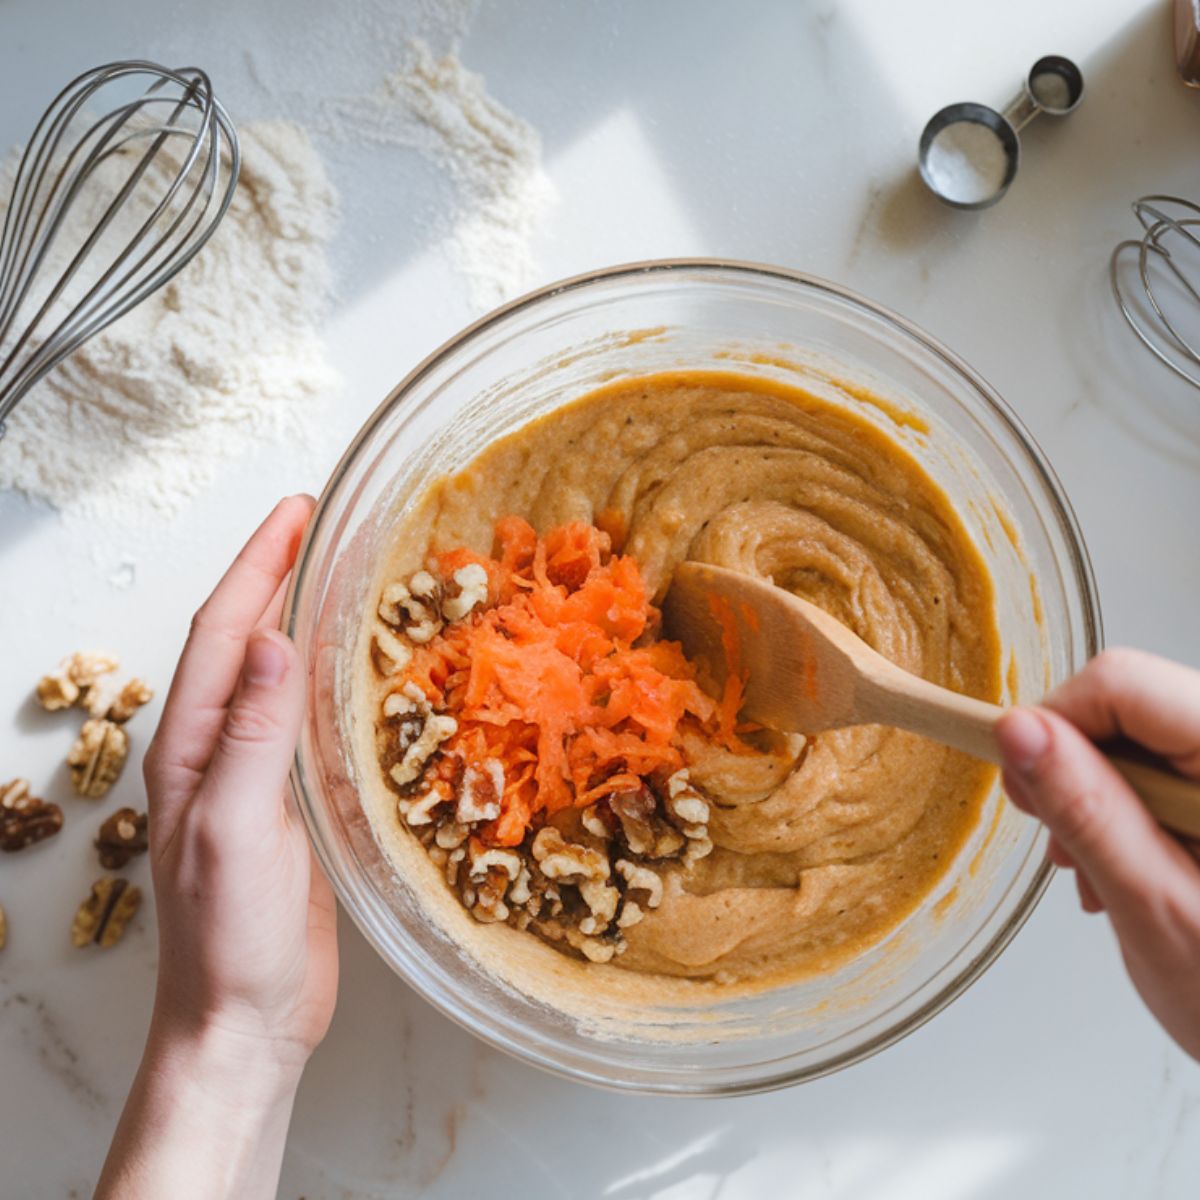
column 734, row 687
column 560, row 677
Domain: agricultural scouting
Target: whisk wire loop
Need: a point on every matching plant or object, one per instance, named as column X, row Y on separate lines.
column 1149, row 314
column 181, row 179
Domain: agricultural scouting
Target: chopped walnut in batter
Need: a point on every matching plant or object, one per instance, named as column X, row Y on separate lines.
column 576, row 874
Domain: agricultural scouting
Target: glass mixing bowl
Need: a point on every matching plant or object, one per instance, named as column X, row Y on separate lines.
column 548, row 348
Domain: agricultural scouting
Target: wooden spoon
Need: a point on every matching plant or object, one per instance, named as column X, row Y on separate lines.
column 807, row 672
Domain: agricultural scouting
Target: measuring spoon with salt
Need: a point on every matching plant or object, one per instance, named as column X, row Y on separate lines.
column 969, row 153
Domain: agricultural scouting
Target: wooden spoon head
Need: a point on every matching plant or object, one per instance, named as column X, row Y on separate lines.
column 802, row 666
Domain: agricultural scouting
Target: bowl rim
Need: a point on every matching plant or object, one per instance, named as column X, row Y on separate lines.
column 1081, row 571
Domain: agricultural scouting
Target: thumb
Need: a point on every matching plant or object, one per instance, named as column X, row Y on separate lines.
column 254, row 751
column 1053, row 771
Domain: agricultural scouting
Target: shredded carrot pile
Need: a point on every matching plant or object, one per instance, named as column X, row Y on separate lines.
column 561, row 677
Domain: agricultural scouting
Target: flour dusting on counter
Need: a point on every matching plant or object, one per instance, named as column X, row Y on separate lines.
column 225, row 356
column 437, row 106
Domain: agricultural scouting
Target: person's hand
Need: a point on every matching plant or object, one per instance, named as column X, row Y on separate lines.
column 247, row 973
column 1125, row 863
column 246, row 921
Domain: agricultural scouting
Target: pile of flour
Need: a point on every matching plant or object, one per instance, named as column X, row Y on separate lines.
column 226, row 356
column 229, row 355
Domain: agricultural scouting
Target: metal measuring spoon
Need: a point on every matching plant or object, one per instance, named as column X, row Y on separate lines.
column 969, row 153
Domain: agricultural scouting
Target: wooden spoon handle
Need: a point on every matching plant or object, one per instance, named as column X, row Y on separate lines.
column 969, row 725
column 1173, row 801
column 894, row 697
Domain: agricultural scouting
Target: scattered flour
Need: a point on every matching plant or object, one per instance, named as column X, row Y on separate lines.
column 435, row 105
column 225, row 356
column 229, row 354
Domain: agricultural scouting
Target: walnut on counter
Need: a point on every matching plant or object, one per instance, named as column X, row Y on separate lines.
column 112, row 700
column 102, row 917
column 24, row 819
column 86, row 678
column 130, row 697
column 96, row 759
column 73, row 679
column 57, row 691
column 122, row 835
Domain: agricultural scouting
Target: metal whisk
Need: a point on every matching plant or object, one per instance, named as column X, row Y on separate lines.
column 1165, row 314
column 162, row 154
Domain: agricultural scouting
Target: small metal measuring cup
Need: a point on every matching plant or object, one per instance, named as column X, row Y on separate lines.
column 969, row 153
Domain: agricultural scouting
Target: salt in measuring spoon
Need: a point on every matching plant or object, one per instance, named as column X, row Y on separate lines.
column 969, row 153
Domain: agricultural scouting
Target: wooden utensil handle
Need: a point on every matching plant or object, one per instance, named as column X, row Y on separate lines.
column 895, row 697
column 970, row 725
column 1173, row 801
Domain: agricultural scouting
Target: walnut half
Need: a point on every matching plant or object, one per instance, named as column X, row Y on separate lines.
column 479, row 793
column 126, row 702
column 96, row 759
column 415, row 607
column 588, row 869
column 423, row 732
column 645, row 831
column 643, row 890
column 122, row 835
column 472, row 582
column 57, row 691
column 567, row 862
column 73, row 678
column 690, row 812
column 24, row 819
column 102, row 917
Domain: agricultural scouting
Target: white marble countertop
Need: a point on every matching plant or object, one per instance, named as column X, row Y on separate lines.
column 781, row 132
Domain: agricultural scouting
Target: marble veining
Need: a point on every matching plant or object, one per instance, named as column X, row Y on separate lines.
column 43, row 1038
